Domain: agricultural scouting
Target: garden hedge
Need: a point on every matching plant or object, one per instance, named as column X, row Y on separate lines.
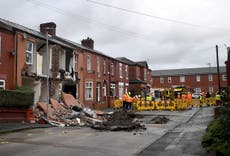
column 20, row 97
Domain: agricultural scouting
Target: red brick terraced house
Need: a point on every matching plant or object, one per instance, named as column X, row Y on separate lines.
column 195, row 79
column 102, row 78
column 140, row 79
column 227, row 62
column 25, row 61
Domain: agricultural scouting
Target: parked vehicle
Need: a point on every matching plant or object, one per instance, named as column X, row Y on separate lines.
column 196, row 95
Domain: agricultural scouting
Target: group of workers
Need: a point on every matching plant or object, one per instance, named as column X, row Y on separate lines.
column 127, row 99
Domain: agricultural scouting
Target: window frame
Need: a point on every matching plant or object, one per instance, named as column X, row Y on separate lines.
column 98, row 66
column 170, row 79
column 104, row 67
column 29, row 52
column 161, row 79
column 182, row 79
column 3, row 85
column 89, row 63
column 126, row 72
column 120, row 70
column 197, row 78
column 224, row 77
column 210, row 77
column 91, row 90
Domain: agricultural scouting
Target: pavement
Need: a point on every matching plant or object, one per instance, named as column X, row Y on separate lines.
column 180, row 136
column 14, row 127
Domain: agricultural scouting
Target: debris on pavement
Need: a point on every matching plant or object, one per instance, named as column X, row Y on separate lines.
column 159, row 120
column 72, row 113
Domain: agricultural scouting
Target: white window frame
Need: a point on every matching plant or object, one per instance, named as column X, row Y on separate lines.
column 198, row 90
column 3, row 85
column 145, row 74
column 161, row 79
column 120, row 70
column 182, row 78
column 112, row 69
column 113, row 88
column 169, row 79
column 89, row 66
column 210, row 90
column 98, row 67
column 126, row 72
column 89, row 86
column 197, row 78
column 29, row 52
column 210, row 77
column 224, row 77
column 98, row 88
column 104, row 89
column 121, row 89
column 104, row 67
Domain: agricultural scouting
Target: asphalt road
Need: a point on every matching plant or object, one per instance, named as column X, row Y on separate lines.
column 180, row 135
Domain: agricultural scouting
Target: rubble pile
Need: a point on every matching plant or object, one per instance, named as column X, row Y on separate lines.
column 120, row 120
column 73, row 113
column 68, row 113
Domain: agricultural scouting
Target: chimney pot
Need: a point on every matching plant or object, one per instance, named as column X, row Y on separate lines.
column 49, row 27
column 89, row 43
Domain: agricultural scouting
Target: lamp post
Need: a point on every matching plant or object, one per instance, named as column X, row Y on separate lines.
column 47, row 80
column 218, row 70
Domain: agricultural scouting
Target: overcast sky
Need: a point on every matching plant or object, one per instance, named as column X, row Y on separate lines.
column 168, row 34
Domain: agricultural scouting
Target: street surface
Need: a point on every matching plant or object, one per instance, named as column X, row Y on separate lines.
column 180, row 136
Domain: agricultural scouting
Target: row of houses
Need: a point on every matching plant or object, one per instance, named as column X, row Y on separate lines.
column 50, row 64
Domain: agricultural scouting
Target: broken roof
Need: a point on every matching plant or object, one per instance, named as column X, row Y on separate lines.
column 188, row 71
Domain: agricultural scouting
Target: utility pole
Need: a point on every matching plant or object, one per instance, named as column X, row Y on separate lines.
column 218, row 68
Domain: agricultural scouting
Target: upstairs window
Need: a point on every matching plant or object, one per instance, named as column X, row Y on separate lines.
column 104, row 67
column 145, row 75
column 210, row 77
column 112, row 69
column 161, row 79
column 224, row 77
column 170, row 79
column 198, row 78
column 126, row 72
column 98, row 67
column 120, row 70
column 89, row 63
column 182, row 78
column 29, row 52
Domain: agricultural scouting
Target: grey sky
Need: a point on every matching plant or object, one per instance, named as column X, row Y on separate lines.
column 117, row 33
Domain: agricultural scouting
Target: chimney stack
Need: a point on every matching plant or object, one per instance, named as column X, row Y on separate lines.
column 49, row 27
column 89, row 43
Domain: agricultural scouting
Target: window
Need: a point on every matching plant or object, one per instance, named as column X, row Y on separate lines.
column 104, row 67
column 170, row 79
column 89, row 90
column 121, row 89
column 2, row 85
column 210, row 77
column 98, row 95
column 89, row 63
column 198, row 90
column 182, row 78
column 98, row 67
column 210, row 90
column 112, row 89
column 29, row 52
column 126, row 72
column 104, row 89
column 161, row 79
column 224, row 77
column 112, row 69
column 120, row 70
column 145, row 74
column 198, row 78
column 0, row 47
